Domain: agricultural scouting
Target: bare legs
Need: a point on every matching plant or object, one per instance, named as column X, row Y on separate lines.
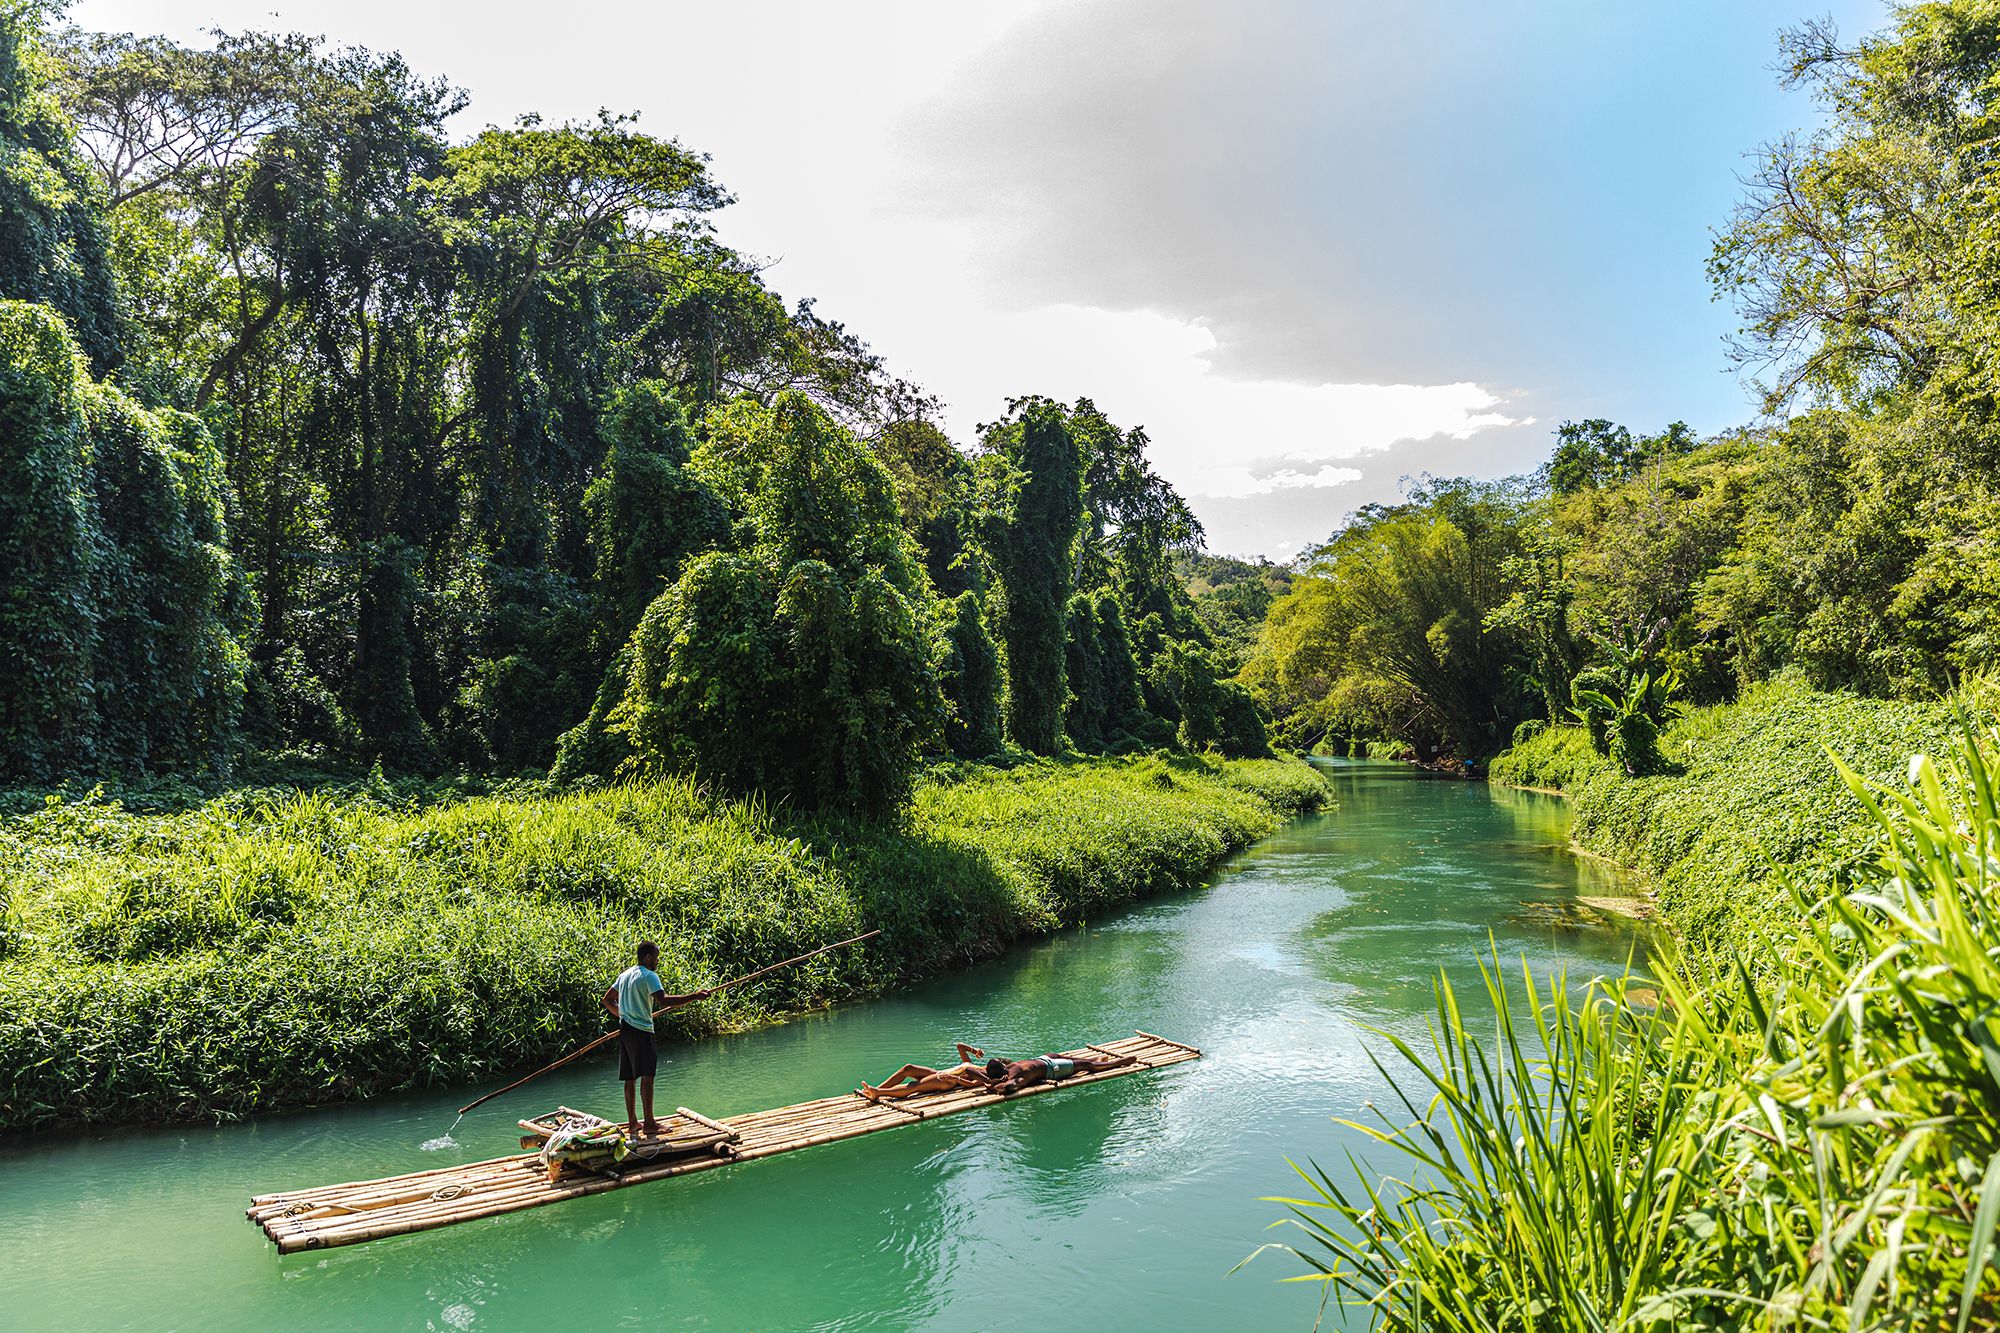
column 908, row 1074
column 1098, row 1064
column 632, row 1126
column 912, row 1080
column 916, row 1076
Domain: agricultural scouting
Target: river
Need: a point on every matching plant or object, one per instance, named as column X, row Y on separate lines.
column 1125, row 1204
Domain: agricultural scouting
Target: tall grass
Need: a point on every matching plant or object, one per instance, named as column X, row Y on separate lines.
column 266, row 950
column 1812, row 1143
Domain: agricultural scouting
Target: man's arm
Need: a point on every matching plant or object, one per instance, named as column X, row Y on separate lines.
column 611, row 1002
column 663, row 1001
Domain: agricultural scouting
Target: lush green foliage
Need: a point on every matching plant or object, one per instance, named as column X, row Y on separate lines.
column 268, row 949
column 53, row 245
column 1106, row 710
column 1384, row 631
column 1551, row 758
column 1815, row 1143
column 797, row 666
column 969, row 674
column 1232, row 597
column 475, row 406
column 120, row 602
column 1593, row 454
column 1757, row 787
column 1754, row 785
column 1623, row 703
column 1034, row 516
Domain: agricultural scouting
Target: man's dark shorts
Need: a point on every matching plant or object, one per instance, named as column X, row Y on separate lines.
column 638, row 1056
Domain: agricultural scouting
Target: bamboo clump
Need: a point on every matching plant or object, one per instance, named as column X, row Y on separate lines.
column 347, row 1214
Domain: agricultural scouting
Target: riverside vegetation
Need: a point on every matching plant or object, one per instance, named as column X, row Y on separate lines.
column 1734, row 654
column 270, row 949
column 1802, row 1134
column 329, row 443
column 332, row 444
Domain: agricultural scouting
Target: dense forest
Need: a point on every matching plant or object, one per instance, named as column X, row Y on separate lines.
column 1846, row 538
column 333, row 437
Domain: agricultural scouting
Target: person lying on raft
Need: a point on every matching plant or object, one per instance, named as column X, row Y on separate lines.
column 914, row 1080
column 1008, row 1077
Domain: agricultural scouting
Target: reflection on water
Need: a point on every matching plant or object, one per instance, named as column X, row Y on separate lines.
column 1147, row 1186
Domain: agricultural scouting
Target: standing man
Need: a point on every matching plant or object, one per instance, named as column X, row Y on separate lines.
column 631, row 1001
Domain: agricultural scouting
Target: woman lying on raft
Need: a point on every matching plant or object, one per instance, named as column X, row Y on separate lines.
column 996, row 1075
column 913, row 1080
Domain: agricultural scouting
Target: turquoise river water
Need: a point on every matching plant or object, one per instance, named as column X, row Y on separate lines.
column 1120, row 1205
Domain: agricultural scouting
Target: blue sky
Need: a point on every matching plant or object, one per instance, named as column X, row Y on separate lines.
column 1313, row 247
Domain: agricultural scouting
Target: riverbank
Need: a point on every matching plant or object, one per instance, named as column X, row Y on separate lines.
column 267, row 952
column 1756, row 787
column 1283, row 969
column 1795, row 1115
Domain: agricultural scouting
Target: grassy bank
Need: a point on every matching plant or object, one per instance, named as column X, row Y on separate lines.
column 1755, row 786
column 1795, row 1123
column 261, row 951
column 1812, row 1142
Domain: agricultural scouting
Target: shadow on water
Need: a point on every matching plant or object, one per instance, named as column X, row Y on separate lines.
column 1146, row 1186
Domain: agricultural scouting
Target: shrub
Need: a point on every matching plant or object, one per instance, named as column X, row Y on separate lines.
column 1555, row 758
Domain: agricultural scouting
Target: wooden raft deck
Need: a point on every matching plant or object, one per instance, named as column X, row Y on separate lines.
column 347, row 1214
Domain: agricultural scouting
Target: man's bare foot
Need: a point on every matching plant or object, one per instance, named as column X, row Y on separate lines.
column 631, row 1129
column 870, row 1091
column 652, row 1128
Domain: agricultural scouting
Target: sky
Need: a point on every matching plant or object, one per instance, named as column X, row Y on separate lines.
column 1314, row 247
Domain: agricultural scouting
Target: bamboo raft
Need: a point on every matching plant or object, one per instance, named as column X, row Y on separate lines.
column 363, row 1210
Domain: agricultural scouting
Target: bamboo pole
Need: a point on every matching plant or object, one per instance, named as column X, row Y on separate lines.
column 590, row 1046
column 352, row 1184
column 701, row 1119
column 1164, row 1042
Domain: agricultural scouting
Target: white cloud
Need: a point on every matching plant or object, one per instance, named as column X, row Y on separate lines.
column 1289, row 479
column 1211, row 435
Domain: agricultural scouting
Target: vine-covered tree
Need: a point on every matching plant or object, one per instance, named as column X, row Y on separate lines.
column 969, row 674
column 120, row 607
column 1033, row 513
column 1106, row 710
column 798, row 665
